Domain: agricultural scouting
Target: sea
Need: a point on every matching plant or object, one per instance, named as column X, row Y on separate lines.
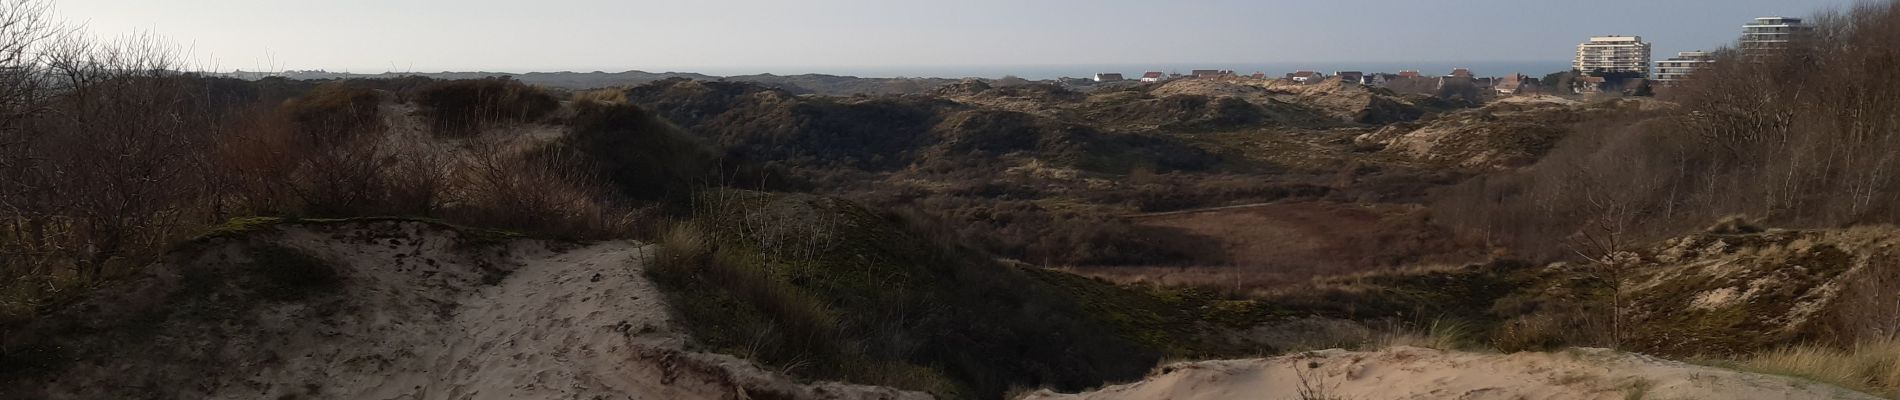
column 1134, row 70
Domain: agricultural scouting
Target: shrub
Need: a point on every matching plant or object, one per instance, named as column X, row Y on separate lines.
column 644, row 156
column 546, row 194
column 343, row 180
column 336, row 113
column 465, row 107
column 1529, row 333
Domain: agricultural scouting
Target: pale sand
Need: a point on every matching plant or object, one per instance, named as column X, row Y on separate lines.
column 580, row 323
column 1416, row 373
column 423, row 315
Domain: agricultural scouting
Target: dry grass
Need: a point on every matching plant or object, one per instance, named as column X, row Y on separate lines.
column 1273, row 245
column 1439, row 334
column 611, row 97
column 1871, row 366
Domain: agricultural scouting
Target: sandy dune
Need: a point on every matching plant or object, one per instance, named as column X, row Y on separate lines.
column 579, row 323
column 1416, row 373
column 424, row 314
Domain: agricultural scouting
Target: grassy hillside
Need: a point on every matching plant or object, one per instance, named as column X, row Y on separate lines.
column 829, row 289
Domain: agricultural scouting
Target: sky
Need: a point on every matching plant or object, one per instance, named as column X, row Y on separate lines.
column 827, row 36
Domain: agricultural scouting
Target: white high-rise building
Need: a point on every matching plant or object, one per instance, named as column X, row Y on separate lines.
column 1677, row 68
column 1769, row 33
column 1608, row 54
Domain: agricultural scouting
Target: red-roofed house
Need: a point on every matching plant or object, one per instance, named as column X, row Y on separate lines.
column 1152, row 77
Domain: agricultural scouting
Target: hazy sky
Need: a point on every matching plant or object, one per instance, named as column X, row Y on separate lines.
column 807, row 36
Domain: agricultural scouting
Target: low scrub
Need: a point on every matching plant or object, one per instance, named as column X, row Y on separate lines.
column 466, row 107
column 827, row 289
column 335, row 113
column 639, row 153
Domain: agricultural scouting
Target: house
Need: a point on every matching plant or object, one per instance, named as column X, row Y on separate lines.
column 1380, row 80
column 1072, row 82
column 1515, row 84
column 1410, row 74
column 1258, row 76
column 1108, row 77
column 1461, row 73
column 1210, row 73
column 1590, row 84
column 1351, row 76
column 1152, row 77
column 1308, row 77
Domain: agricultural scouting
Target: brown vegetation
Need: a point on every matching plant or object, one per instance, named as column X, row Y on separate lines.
column 1799, row 138
column 1267, row 246
column 106, row 166
column 829, row 289
column 466, row 107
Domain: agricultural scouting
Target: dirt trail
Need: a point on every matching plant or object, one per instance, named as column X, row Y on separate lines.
column 423, row 313
column 1415, row 373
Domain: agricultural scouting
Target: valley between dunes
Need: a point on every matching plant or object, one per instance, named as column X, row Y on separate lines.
column 419, row 310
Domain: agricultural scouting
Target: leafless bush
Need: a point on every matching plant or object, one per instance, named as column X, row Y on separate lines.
column 556, row 195
column 103, row 152
column 336, row 113
column 1869, row 305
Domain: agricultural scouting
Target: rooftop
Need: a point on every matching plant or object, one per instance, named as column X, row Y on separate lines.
column 1775, row 21
column 1616, row 38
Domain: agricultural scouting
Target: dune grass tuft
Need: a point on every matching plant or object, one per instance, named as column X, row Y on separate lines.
column 1871, row 366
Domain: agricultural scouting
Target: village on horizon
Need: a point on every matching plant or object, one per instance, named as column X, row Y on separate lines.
column 1610, row 63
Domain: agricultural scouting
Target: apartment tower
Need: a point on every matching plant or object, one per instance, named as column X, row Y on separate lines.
column 1610, row 54
column 1677, row 68
column 1769, row 34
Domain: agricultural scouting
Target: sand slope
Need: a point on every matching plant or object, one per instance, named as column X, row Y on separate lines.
column 1416, row 373
column 421, row 314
